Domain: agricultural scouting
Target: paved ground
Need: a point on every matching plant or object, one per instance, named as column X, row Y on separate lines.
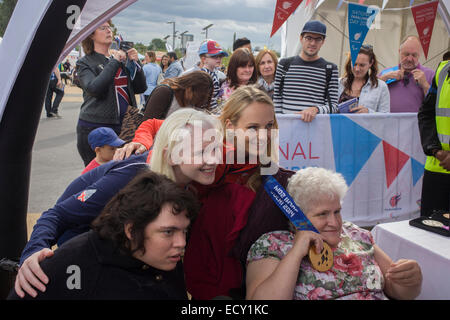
column 55, row 161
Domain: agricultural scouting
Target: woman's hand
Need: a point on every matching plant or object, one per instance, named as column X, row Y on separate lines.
column 119, row 55
column 405, row 273
column 31, row 275
column 127, row 150
column 359, row 109
column 304, row 239
column 133, row 54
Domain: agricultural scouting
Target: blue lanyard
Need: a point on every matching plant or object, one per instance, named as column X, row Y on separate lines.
column 287, row 205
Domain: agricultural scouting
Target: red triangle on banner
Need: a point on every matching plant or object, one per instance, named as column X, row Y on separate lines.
column 283, row 10
column 394, row 161
column 424, row 16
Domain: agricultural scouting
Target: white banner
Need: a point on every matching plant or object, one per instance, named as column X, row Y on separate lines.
column 379, row 155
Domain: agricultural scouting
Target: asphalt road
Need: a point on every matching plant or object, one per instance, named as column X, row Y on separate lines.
column 55, row 161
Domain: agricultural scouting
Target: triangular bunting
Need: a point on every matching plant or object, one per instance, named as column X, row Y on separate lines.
column 283, row 10
column 424, row 17
column 360, row 19
column 352, row 146
column 417, row 170
column 394, row 161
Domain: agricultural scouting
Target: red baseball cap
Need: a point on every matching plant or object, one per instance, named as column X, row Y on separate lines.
column 212, row 48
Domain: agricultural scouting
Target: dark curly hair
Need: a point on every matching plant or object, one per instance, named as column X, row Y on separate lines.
column 139, row 203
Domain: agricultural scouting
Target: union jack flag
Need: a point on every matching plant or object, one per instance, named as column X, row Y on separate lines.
column 122, row 94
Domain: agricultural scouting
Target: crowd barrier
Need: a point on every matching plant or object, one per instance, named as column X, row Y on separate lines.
column 379, row 155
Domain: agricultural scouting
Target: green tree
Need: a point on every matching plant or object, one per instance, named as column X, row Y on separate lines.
column 6, row 10
column 140, row 47
column 157, row 45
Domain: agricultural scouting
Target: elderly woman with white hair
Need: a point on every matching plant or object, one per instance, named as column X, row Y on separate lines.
column 278, row 267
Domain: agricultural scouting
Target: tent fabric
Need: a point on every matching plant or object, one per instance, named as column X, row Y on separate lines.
column 389, row 28
column 26, row 50
column 18, row 36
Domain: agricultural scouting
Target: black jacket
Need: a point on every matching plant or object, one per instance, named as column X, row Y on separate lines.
column 96, row 74
column 105, row 273
column 427, row 121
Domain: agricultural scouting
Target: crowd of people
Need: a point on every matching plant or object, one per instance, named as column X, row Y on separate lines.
column 161, row 220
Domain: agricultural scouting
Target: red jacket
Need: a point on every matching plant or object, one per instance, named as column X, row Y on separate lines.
column 220, row 236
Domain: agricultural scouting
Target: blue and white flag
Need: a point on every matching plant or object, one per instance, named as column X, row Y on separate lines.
column 360, row 18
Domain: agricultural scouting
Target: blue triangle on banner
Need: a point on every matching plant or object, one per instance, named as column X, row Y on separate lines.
column 417, row 170
column 352, row 146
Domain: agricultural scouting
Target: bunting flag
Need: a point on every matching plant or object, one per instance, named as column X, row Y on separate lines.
column 411, row 2
column 360, row 18
column 283, row 10
column 385, row 2
column 424, row 16
column 361, row 1
column 339, row 4
column 308, row 2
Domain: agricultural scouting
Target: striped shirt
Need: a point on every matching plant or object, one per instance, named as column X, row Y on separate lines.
column 304, row 86
column 216, row 93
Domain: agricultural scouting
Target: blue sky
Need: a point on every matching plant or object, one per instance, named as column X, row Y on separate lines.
column 147, row 19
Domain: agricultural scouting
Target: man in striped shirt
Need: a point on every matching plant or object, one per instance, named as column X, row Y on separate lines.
column 307, row 84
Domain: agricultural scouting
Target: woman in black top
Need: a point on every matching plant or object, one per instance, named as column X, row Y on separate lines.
column 109, row 84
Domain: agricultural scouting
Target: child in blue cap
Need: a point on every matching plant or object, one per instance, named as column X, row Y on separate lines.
column 104, row 141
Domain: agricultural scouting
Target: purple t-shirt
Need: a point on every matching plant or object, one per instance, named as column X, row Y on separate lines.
column 407, row 96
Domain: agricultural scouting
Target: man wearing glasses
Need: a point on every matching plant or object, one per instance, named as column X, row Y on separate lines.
column 409, row 81
column 307, row 84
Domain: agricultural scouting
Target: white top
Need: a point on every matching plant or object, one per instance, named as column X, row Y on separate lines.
column 376, row 99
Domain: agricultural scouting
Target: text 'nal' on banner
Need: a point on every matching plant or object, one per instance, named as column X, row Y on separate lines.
column 283, row 10
column 424, row 16
column 360, row 18
column 379, row 155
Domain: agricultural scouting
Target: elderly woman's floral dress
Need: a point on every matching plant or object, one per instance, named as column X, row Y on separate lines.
column 354, row 275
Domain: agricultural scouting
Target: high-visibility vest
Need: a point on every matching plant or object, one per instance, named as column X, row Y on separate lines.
column 442, row 115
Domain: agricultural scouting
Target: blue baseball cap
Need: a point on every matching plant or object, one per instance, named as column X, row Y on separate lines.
column 104, row 136
column 315, row 26
column 212, row 48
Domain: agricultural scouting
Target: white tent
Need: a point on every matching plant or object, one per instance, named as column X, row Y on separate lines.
column 388, row 29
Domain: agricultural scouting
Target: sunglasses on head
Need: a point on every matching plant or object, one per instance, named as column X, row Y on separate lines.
column 367, row 46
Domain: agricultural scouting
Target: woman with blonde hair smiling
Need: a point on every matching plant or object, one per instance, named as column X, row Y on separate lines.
column 224, row 229
column 87, row 195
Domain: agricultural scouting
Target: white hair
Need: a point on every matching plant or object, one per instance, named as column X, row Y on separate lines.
column 312, row 185
column 169, row 134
